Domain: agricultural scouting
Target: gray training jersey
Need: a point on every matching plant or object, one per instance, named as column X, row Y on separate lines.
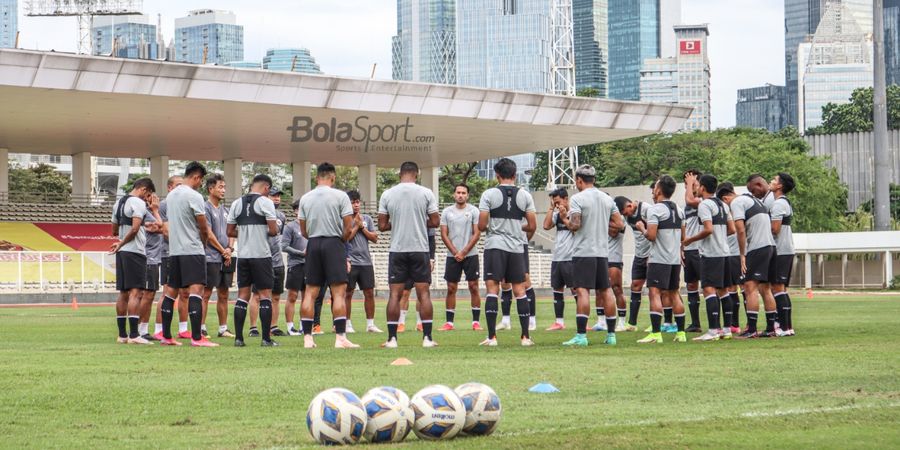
column 562, row 249
column 641, row 244
column 756, row 221
column 324, row 209
column 716, row 244
column 216, row 218
column 666, row 249
column 459, row 223
column 275, row 241
column 616, row 247
column 505, row 233
column 358, row 247
column 252, row 239
column 134, row 207
column 163, row 214
column 783, row 211
column 691, row 226
column 291, row 237
column 154, row 242
column 596, row 208
column 184, row 205
column 408, row 205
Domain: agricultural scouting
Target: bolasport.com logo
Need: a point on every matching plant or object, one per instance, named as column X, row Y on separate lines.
column 361, row 135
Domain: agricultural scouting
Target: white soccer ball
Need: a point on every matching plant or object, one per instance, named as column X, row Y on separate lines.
column 439, row 413
column 482, row 408
column 389, row 418
column 392, row 391
column 336, row 417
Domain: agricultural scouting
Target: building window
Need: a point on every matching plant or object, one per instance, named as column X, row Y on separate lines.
column 509, row 7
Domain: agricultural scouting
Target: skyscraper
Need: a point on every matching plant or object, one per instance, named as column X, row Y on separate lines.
column 290, row 60
column 761, row 107
column 801, row 18
column 892, row 41
column 638, row 30
column 9, row 16
column 424, row 48
column 591, row 32
column 133, row 37
column 683, row 79
column 216, row 32
column 832, row 63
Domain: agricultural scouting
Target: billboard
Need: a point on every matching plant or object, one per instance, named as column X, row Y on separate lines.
column 689, row 47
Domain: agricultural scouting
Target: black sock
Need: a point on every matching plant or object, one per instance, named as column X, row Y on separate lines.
column 450, row 315
column 320, row 300
column 667, row 314
column 559, row 304
column 195, row 314
column 712, row 312
column 788, row 312
column 694, row 307
column 679, row 321
column 735, row 309
column 265, row 318
column 771, row 317
column 506, row 302
column 392, row 330
column 581, row 323
column 635, row 308
column 340, row 325
column 426, row 329
column 133, row 326
column 523, row 309
column 307, row 326
column 611, row 324
column 476, row 314
column 622, row 312
column 490, row 313
column 240, row 315
column 599, row 311
column 779, row 309
column 751, row 320
column 167, row 307
column 121, row 321
column 655, row 321
column 532, row 302
column 725, row 304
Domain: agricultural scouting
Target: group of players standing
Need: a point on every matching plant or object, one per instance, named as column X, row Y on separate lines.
column 188, row 245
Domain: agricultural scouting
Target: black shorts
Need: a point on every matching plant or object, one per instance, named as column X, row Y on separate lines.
column 561, row 274
column 501, row 265
column 758, row 263
column 362, row 277
column 164, row 271
column 692, row 267
column 151, row 283
column 454, row 269
column 716, row 272
column 617, row 265
column 734, row 270
column 326, row 261
column 432, row 246
column 216, row 277
column 255, row 272
column 527, row 260
column 780, row 271
column 664, row 276
column 591, row 273
column 639, row 268
column 277, row 281
column 186, row 270
column 296, row 279
column 131, row 271
column 405, row 267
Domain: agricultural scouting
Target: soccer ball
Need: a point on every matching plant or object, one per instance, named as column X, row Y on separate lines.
column 482, row 408
column 390, row 418
column 393, row 392
column 439, row 413
column 336, row 417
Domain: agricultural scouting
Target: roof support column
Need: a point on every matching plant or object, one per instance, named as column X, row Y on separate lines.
column 302, row 178
column 81, row 177
column 430, row 178
column 234, row 181
column 159, row 173
column 4, row 175
column 368, row 186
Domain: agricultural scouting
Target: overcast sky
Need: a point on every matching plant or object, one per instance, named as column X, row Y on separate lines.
column 347, row 37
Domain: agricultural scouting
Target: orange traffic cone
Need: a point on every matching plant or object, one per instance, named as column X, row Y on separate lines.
column 809, row 294
column 74, row 302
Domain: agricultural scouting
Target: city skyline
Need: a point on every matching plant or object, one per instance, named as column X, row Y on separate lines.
column 368, row 25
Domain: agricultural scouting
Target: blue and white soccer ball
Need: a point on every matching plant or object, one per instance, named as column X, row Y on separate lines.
column 439, row 413
column 482, row 408
column 389, row 416
column 336, row 417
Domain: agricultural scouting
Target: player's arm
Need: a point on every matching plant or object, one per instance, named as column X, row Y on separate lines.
column 548, row 218
column 203, row 226
column 384, row 222
column 484, row 217
column 129, row 236
column 213, row 242
column 434, row 220
column 303, row 228
column 231, row 230
column 574, row 222
column 729, row 225
column 776, row 226
column 348, row 226
column 650, row 232
column 740, row 226
column 706, row 231
column 616, row 224
column 445, row 237
column 689, row 198
column 354, row 228
column 371, row 235
column 476, row 235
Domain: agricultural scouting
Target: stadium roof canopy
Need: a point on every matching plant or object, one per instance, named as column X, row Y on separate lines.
column 56, row 103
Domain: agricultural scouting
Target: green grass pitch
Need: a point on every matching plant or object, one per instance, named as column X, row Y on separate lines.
column 65, row 384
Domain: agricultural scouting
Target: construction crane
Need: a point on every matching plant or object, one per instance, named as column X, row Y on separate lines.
column 562, row 161
column 84, row 10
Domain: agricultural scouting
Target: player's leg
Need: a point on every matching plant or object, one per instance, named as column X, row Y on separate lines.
column 308, row 310
column 369, row 306
column 692, row 275
column 254, row 312
column 122, row 314
column 475, row 299
column 532, row 303
column 615, row 281
column 492, row 265
column 267, row 310
column 523, row 309
column 134, row 313
column 277, row 290
column 317, row 315
column 654, row 273
column 506, row 296
column 559, row 296
column 205, row 295
column 182, row 304
column 599, row 310
column 145, row 310
column 751, row 307
column 418, row 268
column 348, row 305
column 604, row 295
column 393, row 312
column 450, row 306
column 638, row 279
column 584, row 279
column 222, row 310
column 678, row 311
column 193, row 273
column 404, row 306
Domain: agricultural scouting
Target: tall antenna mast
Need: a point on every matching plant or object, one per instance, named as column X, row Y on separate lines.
column 84, row 10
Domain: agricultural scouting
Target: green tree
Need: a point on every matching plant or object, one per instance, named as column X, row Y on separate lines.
column 38, row 179
column 134, row 177
column 454, row 174
column 858, row 114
